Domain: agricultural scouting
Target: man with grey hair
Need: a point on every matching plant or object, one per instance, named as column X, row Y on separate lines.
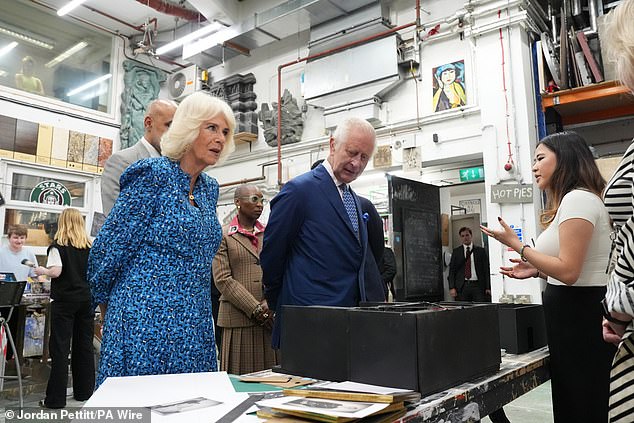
column 316, row 240
column 156, row 122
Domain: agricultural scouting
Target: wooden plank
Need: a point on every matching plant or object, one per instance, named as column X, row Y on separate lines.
column 594, row 66
column 245, row 137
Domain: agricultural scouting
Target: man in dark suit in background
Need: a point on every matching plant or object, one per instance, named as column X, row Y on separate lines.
column 157, row 120
column 469, row 276
column 316, row 240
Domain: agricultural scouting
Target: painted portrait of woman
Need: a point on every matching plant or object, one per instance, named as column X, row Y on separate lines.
column 449, row 86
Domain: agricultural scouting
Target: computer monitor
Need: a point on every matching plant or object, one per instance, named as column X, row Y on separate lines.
column 7, row 277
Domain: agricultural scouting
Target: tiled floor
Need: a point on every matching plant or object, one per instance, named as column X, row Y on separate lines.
column 532, row 407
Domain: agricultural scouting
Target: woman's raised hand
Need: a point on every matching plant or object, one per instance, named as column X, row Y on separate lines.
column 506, row 235
column 521, row 270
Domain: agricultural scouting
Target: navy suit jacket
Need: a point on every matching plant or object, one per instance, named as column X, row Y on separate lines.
column 311, row 254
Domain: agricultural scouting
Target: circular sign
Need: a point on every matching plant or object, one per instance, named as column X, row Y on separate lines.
column 51, row 193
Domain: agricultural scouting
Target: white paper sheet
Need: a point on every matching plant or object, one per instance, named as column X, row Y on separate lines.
column 147, row 391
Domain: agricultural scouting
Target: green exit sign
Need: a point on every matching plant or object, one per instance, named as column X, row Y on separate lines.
column 471, row 174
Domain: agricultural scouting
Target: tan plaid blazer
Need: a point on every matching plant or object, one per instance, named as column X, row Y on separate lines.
column 238, row 276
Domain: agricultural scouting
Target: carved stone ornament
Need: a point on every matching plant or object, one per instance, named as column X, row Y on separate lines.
column 292, row 122
column 237, row 91
column 141, row 87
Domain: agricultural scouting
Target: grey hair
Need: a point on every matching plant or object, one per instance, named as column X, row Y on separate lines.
column 190, row 115
column 342, row 132
column 619, row 39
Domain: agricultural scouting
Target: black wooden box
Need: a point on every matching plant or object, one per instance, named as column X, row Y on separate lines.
column 416, row 346
column 315, row 342
column 522, row 327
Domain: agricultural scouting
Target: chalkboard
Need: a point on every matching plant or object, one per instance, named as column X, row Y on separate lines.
column 417, row 242
column 422, row 255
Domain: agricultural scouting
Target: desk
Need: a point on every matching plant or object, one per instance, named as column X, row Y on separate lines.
column 518, row 374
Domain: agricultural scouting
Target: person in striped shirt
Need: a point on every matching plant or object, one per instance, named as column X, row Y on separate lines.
column 619, row 200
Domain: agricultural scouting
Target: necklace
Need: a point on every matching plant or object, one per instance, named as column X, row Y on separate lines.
column 191, row 197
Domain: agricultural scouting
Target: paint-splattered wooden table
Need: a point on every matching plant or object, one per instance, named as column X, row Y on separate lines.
column 470, row 401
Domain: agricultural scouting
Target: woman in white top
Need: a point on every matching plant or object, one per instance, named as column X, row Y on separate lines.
column 571, row 254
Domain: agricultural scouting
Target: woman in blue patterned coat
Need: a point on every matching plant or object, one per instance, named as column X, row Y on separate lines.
column 150, row 266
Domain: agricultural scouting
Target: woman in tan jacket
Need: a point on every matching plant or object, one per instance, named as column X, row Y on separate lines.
column 244, row 314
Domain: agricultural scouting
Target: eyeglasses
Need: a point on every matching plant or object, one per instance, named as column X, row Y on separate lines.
column 254, row 199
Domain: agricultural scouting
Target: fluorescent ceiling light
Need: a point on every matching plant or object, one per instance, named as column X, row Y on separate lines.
column 89, row 84
column 2, row 73
column 214, row 26
column 69, row 6
column 219, row 37
column 65, row 55
column 25, row 36
column 4, row 50
column 94, row 94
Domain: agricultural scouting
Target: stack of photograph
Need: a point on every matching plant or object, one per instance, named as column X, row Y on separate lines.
column 328, row 404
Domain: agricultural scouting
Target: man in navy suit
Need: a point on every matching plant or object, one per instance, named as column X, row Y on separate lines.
column 316, row 239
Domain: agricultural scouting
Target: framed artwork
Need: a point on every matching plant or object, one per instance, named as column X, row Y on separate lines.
column 383, row 156
column 472, row 206
column 412, row 159
column 449, row 90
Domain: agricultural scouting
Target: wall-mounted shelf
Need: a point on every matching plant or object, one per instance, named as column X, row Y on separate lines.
column 245, row 137
column 595, row 102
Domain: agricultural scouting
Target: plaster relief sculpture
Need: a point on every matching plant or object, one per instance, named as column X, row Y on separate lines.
column 141, row 87
column 292, row 122
column 237, row 91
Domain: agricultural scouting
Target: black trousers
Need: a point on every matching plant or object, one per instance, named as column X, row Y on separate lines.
column 472, row 291
column 580, row 360
column 71, row 321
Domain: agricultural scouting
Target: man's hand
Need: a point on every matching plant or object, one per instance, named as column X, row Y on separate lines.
column 453, row 292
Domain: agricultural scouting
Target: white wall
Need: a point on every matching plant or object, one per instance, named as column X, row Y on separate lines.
column 520, row 120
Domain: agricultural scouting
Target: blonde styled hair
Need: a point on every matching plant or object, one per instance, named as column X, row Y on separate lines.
column 190, row 115
column 71, row 230
column 619, row 39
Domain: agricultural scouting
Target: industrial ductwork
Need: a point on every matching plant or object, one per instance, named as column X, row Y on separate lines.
column 358, row 85
column 171, row 9
column 275, row 24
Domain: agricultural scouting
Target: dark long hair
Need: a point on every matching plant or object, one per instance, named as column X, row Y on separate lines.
column 575, row 169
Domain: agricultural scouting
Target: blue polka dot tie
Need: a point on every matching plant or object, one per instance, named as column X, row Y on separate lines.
column 351, row 207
